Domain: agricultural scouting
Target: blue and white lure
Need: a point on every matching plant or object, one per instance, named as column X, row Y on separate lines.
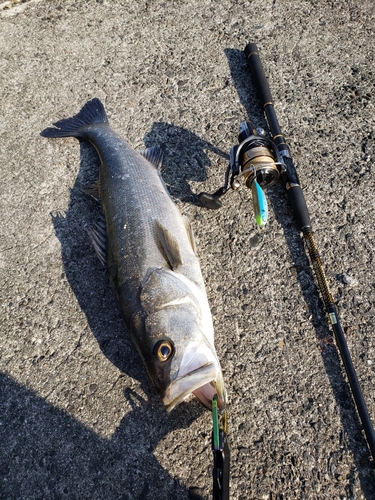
column 259, row 203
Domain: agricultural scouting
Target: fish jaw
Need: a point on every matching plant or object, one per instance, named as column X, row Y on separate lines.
column 199, row 374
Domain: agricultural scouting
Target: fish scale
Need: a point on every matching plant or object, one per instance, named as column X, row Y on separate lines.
column 140, row 228
column 154, row 271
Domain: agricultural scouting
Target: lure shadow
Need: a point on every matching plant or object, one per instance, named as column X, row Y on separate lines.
column 90, row 284
column 340, row 387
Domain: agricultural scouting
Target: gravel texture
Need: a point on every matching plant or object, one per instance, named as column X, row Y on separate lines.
column 79, row 417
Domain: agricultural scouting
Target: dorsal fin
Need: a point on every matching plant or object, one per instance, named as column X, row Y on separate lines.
column 154, row 155
column 169, row 245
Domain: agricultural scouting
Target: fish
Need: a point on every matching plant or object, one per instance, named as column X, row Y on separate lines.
column 149, row 249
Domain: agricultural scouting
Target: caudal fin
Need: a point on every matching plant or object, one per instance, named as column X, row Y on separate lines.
column 92, row 113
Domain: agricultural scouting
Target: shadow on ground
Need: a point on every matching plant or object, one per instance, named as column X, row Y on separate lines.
column 46, row 453
column 185, row 158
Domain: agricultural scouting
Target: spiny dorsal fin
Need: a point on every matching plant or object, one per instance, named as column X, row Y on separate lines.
column 98, row 238
column 190, row 234
column 154, row 155
column 93, row 190
column 169, row 245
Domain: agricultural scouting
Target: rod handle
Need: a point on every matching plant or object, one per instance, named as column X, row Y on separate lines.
column 257, row 72
column 298, row 203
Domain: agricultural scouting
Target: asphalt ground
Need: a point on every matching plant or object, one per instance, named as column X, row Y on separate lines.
column 79, row 417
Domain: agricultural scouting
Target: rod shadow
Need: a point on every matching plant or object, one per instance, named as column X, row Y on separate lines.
column 349, row 418
column 90, row 284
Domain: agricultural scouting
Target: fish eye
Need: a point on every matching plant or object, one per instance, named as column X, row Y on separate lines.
column 163, row 350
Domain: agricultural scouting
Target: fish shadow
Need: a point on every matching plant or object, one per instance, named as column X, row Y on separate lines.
column 351, row 424
column 90, row 284
column 185, row 158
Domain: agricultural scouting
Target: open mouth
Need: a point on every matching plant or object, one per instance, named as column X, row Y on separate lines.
column 200, row 381
column 199, row 373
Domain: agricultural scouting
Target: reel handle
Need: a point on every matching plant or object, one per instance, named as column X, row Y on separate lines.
column 257, row 72
column 211, row 201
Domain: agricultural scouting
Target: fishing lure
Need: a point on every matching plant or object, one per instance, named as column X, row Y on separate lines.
column 259, row 203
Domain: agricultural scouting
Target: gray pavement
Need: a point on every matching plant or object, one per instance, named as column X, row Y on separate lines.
column 79, row 417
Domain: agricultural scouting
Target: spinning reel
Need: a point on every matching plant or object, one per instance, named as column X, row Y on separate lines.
column 255, row 160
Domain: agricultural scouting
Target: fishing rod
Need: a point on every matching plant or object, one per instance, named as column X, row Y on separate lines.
column 258, row 162
column 297, row 201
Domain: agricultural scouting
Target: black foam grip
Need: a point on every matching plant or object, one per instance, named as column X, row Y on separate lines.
column 257, row 72
column 300, row 210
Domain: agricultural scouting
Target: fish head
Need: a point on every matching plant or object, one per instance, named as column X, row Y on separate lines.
column 181, row 358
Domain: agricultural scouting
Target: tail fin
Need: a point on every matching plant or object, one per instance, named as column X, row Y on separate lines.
column 93, row 112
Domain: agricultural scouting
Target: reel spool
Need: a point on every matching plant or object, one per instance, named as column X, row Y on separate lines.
column 256, row 159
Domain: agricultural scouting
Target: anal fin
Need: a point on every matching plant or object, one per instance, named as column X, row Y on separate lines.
column 98, row 238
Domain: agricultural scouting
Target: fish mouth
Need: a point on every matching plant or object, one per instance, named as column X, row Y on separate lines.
column 204, row 380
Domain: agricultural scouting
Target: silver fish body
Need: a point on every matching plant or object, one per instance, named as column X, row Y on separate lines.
column 153, row 267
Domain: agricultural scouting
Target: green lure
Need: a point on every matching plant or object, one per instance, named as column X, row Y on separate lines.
column 259, row 203
column 215, row 419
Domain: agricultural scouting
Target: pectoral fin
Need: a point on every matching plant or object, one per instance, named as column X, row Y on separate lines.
column 169, row 245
